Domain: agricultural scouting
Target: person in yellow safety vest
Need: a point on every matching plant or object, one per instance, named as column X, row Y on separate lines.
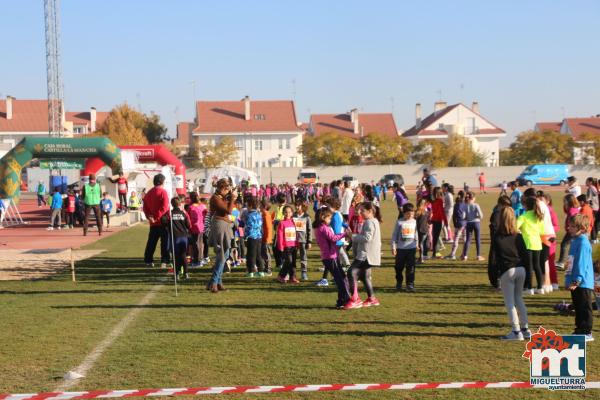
column 91, row 196
column 134, row 202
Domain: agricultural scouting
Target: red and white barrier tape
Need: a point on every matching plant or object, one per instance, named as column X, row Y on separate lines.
column 107, row 394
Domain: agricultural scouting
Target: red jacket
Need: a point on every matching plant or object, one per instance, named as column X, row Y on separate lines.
column 437, row 211
column 156, row 204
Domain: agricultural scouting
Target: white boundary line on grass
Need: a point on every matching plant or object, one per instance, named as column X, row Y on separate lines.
column 117, row 331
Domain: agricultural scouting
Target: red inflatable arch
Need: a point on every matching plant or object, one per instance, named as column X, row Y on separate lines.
column 148, row 153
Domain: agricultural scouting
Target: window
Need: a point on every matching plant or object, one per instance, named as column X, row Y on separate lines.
column 259, row 117
column 283, row 164
column 287, row 143
column 280, row 144
column 256, row 164
column 264, row 164
column 239, row 144
column 78, row 129
column 258, row 144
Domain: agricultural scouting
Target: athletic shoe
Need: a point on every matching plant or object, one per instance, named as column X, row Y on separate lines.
column 589, row 337
column 513, row 336
column 206, row 260
column 323, row 283
column 281, row 279
column 163, row 265
column 438, row 255
column 250, row 275
column 321, row 269
column 555, row 286
column 268, row 273
column 399, row 288
column 352, row 304
column 304, row 276
column 261, row 275
column 539, row 291
column 371, row 301
column 464, row 258
column 480, row 258
column 410, row 289
column 170, row 271
column 451, row 258
column 526, row 333
column 560, row 266
column 150, row 265
column 528, row 292
column 426, row 257
column 548, row 289
column 294, row 280
column 187, row 276
column 50, row 228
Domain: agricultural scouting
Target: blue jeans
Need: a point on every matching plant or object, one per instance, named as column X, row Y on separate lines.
column 473, row 228
column 181, row 245
column 41, row 200
column 217, row 272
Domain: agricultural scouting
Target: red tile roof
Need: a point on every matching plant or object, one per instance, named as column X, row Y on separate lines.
column 430, row 120
column 32, row 116
column 228, row 116
column 548, row 126
column 85, row 118
column 340, row 123
column 184, row 133
column 578, row 126
column 27, row 116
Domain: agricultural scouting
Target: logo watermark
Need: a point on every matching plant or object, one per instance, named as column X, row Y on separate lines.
column 556, row 361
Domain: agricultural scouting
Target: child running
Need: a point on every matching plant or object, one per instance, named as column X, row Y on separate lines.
column 579, row 277
column 404, row 247
column 367, row 253
column 287, row 243
column 326, row 240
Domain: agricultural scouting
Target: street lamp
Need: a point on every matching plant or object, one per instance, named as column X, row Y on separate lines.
column 271, row 162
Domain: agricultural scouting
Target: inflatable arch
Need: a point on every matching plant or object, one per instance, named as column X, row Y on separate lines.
column 147, row 153
column 53, row 148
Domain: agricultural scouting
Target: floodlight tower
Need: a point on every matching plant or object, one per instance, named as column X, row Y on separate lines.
column 53, row 68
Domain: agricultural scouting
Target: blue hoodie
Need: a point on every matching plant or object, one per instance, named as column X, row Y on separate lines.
column 337, row 224
column 253, row 228
column 582, row 268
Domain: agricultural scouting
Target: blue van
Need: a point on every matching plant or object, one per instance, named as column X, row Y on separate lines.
column 544, row 174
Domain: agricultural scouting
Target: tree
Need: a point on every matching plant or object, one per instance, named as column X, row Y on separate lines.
column 381, row 149
column 124, row 126
column 546, row 147
column 213, row 156
column 588, row 146
column 154, row 130
column 330, row 149
column 456, row 152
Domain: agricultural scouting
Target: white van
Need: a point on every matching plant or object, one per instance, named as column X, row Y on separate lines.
column 308, row 175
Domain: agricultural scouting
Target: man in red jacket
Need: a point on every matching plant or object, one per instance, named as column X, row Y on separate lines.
column 156, row 208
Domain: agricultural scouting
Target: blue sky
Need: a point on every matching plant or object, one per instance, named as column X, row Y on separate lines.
column 522, row 60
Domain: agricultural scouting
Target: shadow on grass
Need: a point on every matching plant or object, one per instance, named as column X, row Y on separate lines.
column 420, row 323
column 78, row 291
column 324, row 333
column 219, row 306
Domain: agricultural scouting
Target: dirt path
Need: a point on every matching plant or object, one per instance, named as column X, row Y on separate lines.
column 26, row 264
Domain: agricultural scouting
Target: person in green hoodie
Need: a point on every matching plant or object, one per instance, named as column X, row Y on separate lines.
column 531, row 226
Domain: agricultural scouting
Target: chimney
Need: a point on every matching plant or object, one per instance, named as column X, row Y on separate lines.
column 247, row 108
column 9, row 107
column 92, row 119
column 475, row 107
column 439, row 106
column 418, row 115
column 354, row 120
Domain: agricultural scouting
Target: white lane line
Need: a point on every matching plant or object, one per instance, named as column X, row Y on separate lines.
column 117, row 331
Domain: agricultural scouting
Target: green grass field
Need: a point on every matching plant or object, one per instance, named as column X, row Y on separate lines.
column 262, row 333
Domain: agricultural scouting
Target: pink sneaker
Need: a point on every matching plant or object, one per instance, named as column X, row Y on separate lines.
column 351, row 304
column 281, row 279
column 371, row 301
column 294, row 280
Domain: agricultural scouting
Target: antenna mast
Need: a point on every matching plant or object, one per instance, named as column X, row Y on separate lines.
column 53, row 68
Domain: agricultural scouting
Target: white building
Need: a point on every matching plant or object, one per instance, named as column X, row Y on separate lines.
column 582, row 130
column 461, row 120
column 263, row 130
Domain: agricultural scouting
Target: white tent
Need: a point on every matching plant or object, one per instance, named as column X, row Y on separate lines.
column 236, row 174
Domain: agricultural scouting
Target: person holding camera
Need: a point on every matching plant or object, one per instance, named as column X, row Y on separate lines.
column 221, row 233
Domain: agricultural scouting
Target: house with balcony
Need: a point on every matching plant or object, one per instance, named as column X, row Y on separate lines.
column 264, row 131
column 460, row 120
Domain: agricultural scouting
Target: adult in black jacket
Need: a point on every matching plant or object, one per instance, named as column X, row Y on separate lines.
column 503, row 201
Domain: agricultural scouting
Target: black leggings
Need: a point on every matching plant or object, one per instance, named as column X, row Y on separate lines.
column 288, row 256
column 123, row 200
column 436, row 231
column 341, row 280
column 360, row 270
column 532, row 261
column 254, row 258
